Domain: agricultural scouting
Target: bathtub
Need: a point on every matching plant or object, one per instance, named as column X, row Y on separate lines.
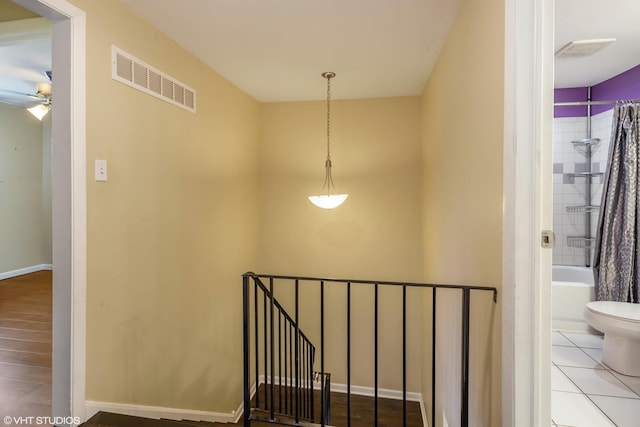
column 572, row 288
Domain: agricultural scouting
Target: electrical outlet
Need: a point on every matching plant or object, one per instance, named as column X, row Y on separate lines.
column 101, row 170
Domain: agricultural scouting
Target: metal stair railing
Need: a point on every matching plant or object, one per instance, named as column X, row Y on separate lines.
column 285, row 356
column 288, row 356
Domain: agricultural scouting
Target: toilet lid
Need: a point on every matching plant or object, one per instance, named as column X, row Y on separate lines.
column 619, row 310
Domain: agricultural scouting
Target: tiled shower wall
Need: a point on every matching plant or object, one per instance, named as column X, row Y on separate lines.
column 570, row 191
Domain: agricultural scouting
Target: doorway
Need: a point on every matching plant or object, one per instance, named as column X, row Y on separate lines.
column 69, row 205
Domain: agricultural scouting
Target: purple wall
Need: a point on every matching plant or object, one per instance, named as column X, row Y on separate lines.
column 624, row 86
column 568, row 95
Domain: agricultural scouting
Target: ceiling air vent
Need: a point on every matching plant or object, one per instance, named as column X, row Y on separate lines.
column 133, row 72
column 582, row 48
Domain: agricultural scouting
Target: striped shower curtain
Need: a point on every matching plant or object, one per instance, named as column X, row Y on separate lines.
column 616, row 264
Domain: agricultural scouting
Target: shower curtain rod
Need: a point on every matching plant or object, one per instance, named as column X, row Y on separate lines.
column 576, row 103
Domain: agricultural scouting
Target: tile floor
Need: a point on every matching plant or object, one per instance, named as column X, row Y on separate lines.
column 584, row 391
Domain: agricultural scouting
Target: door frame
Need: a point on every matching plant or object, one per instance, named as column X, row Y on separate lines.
column 68, row 134
column 527, row 189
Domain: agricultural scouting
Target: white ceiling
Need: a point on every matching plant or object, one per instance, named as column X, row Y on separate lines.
column 276, row 50
column 596, row 19
column 25, row 54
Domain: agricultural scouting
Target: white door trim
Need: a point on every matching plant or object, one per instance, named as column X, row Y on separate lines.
column 526, row 337
column 69, row 203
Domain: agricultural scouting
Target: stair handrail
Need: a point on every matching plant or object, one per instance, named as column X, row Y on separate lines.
column 465, row 334
column 298, row 397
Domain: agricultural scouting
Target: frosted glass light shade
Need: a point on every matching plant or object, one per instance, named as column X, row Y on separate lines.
column 39, row 111
column 328, row 201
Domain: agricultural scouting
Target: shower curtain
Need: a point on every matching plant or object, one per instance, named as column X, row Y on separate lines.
column 616, row 265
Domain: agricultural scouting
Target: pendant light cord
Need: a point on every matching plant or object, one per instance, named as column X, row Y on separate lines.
column 328, row 179
column 328, row 76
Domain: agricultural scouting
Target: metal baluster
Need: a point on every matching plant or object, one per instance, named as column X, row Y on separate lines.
column 290, row 388
column 433, row 358
column 322, row 402
column 464, row 418
column 348, row 354
column 264, row 327
column 304, row 379
column 404, row 356
column 280, row 360
column 256, row 330
column 271, row 353
column 310, row 414
column 245, row 351
column 297, row 341
column 310, row 401
column 376, row 356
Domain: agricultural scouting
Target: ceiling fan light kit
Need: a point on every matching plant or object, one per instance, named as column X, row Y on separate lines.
column 44, row 95
column 40, row 110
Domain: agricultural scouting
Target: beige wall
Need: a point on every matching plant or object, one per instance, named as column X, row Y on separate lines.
column 375, row 149
column 188, row 208
column 23, row 190
column 9, row 11
column 172, row 230
column 462, row 125
column 375, row 234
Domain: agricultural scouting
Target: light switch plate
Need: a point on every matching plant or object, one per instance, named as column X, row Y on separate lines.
column 101, row 170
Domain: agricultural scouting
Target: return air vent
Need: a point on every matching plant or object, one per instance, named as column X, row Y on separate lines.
column 133, row 72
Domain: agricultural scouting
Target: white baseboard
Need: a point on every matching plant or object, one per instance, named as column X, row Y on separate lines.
column 156, row 412
column 26, row 270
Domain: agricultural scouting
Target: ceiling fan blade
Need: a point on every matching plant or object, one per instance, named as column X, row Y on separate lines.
column 21, row 99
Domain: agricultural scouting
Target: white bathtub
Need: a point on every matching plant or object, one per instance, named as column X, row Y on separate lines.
column 571, row 290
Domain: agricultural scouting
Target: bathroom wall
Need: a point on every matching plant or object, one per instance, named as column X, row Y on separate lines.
column 569, row 191
column 570, row 123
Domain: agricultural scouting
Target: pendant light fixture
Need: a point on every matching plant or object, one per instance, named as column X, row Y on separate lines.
column 325, row 199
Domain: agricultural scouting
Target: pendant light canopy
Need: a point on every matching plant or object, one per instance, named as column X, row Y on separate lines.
column 325, row 199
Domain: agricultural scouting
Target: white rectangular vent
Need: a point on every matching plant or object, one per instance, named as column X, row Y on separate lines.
column 133, row 72
column 582, row 48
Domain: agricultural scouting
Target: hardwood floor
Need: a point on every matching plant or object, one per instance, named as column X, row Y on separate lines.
column 362, row 415
column 25, row 346
column 362, row 409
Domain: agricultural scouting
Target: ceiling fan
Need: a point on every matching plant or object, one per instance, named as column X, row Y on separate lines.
column 38, row 103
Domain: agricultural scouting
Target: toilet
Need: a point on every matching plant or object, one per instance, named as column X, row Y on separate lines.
column 620, row 324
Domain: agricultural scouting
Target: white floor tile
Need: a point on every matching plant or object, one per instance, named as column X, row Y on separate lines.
column 573, row 409
column 594, row 353
column 558, row 339
column 623, row 412
column 572, row 356
column 584, row 339
column 560, row 382
column 598, row 381
column 631, row 382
